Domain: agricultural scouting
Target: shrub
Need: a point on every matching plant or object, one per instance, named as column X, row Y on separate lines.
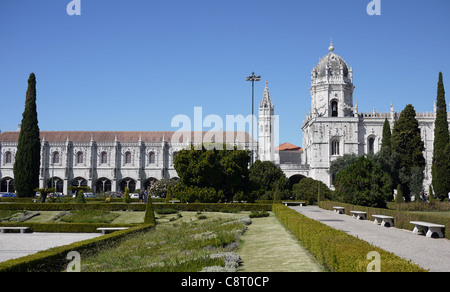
column 258, row 214
column 149, row 217
column 363, row 183
column 126, row 196
column 166, row 211
column 308, row 189
column 80, row 197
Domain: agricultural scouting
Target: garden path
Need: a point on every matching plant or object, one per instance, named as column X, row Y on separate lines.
column 430, row 253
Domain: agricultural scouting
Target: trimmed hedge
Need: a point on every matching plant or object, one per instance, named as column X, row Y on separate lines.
column 217, row 207
column 54, row 259
column 64, row 227
column 336, row 250
column 401, row 218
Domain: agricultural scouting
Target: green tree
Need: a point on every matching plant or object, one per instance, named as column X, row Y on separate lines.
column 225, row 171
column 44, row 193
column 407, row 142
column 310, row 190
column 399, row 197
column 386, row 140
column 126, row 196
column 341, row 163
column 363, row 183
column 27, row 162
column 149, row 217
column 266, row 177
column 439, row 167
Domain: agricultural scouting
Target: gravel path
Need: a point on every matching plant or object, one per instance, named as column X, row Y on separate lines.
column 16, row 245
column 430, row 253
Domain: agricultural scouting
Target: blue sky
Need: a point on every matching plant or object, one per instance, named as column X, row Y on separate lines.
column 133, row 65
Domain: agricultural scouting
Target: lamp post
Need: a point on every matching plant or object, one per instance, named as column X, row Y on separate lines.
column 253, row 78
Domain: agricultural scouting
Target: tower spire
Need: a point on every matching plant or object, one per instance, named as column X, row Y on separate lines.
column 266, row 96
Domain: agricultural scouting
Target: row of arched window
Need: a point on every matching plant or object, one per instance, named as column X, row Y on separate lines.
column 79, row 157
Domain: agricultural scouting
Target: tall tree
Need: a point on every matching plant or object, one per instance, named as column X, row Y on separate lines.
column 27, row 162
column 225, row 171
column 439, row 169
column 386, row 142
column 407, row 142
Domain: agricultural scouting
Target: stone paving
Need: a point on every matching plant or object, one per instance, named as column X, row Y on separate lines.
column 430, row 253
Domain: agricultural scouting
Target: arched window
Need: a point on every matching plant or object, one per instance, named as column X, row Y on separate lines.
column 8, row 157
column 370, row 146
column 55, row 157
column 127, row 157
column 335, row 147
column 80, row 157
column 334, row 108
column 104, row 157
column 151, row 158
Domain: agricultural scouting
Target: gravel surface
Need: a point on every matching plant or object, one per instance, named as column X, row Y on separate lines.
column 430, row 253
column 16, row 245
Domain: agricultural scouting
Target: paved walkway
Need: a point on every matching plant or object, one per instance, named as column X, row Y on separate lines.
column 16, row 245
column 430, row 253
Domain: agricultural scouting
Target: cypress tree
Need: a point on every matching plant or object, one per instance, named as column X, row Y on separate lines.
column 407, row 142
column 439, row 169
column 386, row 142
column 27, row 162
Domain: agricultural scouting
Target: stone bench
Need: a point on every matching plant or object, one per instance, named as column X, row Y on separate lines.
column 383, row 220
column 21, row 229
column 339, row 210
column 294, row 203
column 106, row 229
column 430, row 229
column 359, row 215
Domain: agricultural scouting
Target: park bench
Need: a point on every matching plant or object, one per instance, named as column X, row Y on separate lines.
column 431, row 229
column 294, row 203
column 106, row 229
column 359, row 215
column 339, row 210
column 21, row 229
column 383, row 220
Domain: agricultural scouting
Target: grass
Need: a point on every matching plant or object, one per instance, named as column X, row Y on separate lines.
column 183, row 245
column 268, row 247
column 91, row 216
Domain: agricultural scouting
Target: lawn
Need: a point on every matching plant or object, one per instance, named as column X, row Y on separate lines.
column 268, row 247
column 186, row 243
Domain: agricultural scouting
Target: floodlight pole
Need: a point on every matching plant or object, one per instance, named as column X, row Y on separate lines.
column 253, row 78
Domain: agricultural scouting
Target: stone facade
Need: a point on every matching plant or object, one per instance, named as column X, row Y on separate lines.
column 104, row 161
column 334, row 127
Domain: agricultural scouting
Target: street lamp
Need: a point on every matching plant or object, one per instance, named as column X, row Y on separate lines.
column 253, row 78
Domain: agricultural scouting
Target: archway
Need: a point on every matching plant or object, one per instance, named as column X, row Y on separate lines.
column 103, row 185
column 295, row 179
column 148, row 182
column 7, row 185
column 129, row 183
column 57, row 183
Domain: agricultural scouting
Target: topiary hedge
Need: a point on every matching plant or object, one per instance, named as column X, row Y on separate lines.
column 212, row 207
column 64, row 227
column 336, row 250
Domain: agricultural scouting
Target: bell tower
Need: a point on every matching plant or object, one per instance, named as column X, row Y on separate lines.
column 332, row 87
column 266, row 128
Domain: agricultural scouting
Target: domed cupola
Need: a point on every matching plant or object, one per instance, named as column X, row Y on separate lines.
column 332, row 87
column 331, row 65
